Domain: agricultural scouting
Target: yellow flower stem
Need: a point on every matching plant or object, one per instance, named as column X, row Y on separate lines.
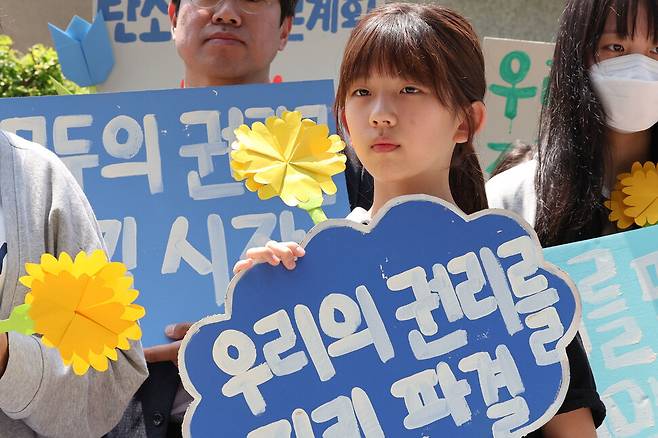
column 19, row 321
column 317, row 215
column 6, row 326
column 314, row 208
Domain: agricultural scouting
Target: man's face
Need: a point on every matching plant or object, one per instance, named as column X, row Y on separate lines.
column 224, row 45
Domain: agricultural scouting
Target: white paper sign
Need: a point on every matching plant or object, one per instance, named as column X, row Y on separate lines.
column 517, row 77
column 144, row 53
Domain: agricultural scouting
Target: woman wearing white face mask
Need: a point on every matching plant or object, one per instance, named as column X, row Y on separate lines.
column 601, row 116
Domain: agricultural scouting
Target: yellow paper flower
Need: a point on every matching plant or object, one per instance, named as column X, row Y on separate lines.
column 288, row 156
column 641, row 188
column 635, row 198
column 617, row 207
column 83, row 308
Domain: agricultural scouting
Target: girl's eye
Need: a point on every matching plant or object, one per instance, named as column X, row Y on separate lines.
column 617, row 48
column 654, row 50
column 361, row 92
column 410, row 90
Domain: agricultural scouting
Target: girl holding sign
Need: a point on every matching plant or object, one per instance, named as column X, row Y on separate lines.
column 410, row 118
column 410, row 99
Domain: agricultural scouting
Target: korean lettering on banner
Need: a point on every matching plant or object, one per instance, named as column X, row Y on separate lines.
column 132, row 20
column 427, row 324
column 155, row 168
column 327, row 16
column 617, row 277
column 319, row 33
column 517, row 79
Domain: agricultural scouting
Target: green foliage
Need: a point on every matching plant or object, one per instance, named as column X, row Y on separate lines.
column 35, row 73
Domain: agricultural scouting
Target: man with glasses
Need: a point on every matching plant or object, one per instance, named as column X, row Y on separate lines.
column 227, row 42
column 221, row 42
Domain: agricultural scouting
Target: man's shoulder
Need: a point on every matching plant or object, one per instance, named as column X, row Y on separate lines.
column 13, row 144
column 31, row 159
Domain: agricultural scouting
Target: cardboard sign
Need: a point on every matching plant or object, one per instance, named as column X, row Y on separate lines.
column 319, row 34
column 155, row 168
column 423, row 323
column 617, row 277
column 140, row 33
column 144, row 53
column 517, row 78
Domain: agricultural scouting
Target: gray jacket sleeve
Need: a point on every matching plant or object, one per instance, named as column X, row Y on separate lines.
column 53, row 215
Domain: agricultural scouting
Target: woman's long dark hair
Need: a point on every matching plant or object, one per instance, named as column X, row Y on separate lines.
column 435, row 46
column 572, row 155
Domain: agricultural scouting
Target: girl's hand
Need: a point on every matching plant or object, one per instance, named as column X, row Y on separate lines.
column 272, row 253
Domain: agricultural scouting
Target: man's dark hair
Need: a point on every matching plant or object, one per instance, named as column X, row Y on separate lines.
column 287, row 8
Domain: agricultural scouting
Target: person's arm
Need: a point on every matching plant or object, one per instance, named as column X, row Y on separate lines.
column 168, row 352
column 4, row 352
column 36, row 387
column 272, row 253
column 573, row 424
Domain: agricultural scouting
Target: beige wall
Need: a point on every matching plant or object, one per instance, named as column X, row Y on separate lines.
column 534, row 20
column 26, row 20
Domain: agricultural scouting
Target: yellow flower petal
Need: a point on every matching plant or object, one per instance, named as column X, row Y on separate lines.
column 80, row 365
column 273, row 176
column 134, row 332
column 286, row 130
column 34, row 272
column 50, row 264
column 98, row 362
column 110, row 353
column 266, row 191
column 617, row 207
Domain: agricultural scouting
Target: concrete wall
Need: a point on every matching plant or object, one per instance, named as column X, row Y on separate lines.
column 26, row 20
column 534, row 20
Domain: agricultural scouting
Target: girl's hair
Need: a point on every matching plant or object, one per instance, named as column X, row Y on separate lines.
column 436, row 47
column 572, row 156
column 517, row 154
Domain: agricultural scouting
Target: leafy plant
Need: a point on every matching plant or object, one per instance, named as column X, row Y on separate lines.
column 35, row 73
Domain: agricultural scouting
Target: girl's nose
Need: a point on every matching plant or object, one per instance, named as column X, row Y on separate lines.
column 383, row 114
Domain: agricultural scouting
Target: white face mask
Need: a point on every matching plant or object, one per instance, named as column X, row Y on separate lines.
column 628, row 88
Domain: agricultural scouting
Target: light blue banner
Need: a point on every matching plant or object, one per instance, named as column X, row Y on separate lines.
column 617, row 279
column 155, row 167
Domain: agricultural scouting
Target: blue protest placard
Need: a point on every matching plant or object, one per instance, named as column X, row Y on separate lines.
column 423, row 323
column 617, row 277
column 155, row 167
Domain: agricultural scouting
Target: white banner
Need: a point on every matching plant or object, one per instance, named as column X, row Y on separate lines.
column 517, row 77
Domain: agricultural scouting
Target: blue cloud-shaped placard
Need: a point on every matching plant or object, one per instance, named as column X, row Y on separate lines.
column 423, row 323
column 84, row 50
